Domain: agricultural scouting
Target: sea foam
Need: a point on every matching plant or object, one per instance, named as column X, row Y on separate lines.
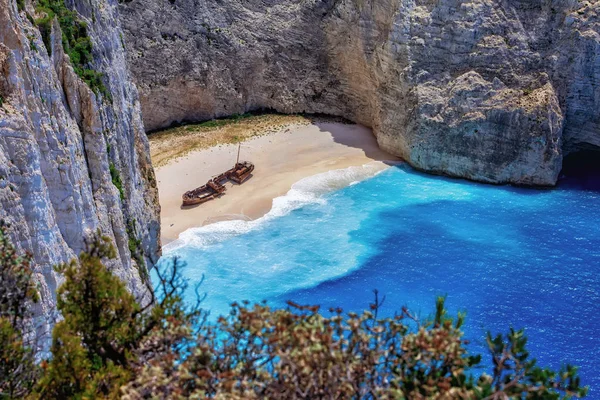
column 306, row 191
column 508, row 256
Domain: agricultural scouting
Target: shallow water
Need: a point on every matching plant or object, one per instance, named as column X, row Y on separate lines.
column 508, row 256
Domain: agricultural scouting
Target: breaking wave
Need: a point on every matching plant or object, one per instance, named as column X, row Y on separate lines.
column 307, row 191
column 502, row 253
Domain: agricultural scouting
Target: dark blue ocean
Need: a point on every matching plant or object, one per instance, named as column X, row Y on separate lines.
column 509, row 257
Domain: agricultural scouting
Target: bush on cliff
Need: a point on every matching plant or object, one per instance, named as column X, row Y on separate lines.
column 111, row 345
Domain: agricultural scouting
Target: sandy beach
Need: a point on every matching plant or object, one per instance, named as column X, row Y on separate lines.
column 281, row 159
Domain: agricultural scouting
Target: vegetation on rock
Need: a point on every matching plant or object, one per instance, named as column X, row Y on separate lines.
column 116, row 179
column 75, row 40
column 135, row 248
column 110, row 345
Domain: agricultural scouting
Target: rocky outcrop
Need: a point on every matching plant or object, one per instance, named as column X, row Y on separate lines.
column 63, row 147
column 490, row 90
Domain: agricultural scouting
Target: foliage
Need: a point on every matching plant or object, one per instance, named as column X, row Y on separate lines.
column 215, row 123
column 97, row 344
column 17, row 292
column 298, row 353
column 135, row 248
column 94, row 80
column 75, row 39
column 116, row 179
column 32, row 44
column 91, row 346
column 516, row 375
column 110, row 346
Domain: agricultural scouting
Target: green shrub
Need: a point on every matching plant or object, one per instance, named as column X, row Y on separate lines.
column 94, row 81
column 32, row 44
column 92, row 346
column 170, row 351
column 116, row 179
column 136, row 250
column 215, row 123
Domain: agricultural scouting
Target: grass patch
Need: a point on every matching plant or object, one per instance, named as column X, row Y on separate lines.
column 216, row 123
column 176, row 142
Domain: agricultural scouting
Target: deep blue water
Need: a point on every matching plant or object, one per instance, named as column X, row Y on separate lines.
column 510, row 257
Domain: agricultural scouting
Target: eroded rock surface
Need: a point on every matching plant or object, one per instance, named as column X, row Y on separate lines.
column 58, row 140
column 490, row 90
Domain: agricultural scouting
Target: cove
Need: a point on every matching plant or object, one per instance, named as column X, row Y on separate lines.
column 509, row 257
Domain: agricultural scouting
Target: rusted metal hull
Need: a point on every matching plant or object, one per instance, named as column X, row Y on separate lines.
column 203, row 194
column 241, row 172
column 197, row 200
column 214, row 188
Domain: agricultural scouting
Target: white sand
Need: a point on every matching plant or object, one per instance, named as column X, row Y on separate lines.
column 281, row 159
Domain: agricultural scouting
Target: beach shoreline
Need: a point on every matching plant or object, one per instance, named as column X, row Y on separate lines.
column 281, row 159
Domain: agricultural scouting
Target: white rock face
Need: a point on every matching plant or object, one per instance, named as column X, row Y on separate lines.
column 491, row 90
column 57, row 141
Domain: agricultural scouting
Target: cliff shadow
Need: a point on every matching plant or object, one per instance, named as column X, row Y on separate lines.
column 357, row 136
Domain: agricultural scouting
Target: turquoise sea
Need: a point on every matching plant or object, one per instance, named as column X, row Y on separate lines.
column 510, row 257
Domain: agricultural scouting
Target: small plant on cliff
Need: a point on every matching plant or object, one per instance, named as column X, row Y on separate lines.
column 116, row 180
column 215, row 123
column 135, row 248
column 17, row 292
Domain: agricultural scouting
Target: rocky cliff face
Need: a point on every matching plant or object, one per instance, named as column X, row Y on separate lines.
column 491, row 90
column 67, row 153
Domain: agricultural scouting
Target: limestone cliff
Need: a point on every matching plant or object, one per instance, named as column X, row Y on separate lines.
column 73, row 161
column 491, row 90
